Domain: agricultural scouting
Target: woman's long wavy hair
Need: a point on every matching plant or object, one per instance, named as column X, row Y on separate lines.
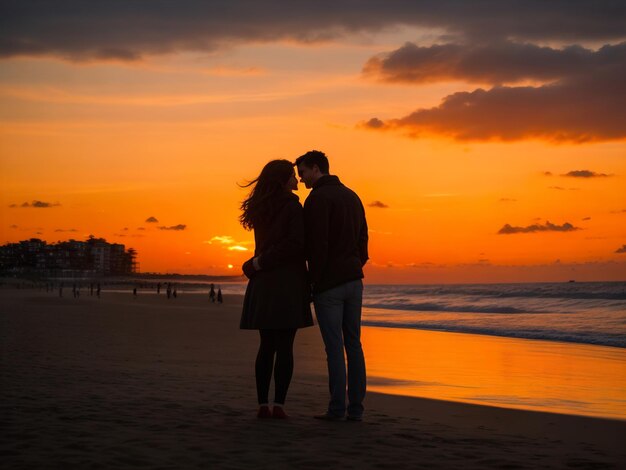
column 261, row 203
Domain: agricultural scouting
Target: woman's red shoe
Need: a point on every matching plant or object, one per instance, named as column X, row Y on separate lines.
column 264, row 412
column 279, row 413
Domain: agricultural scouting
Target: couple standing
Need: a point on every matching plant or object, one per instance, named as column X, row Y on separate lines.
column 330, row 235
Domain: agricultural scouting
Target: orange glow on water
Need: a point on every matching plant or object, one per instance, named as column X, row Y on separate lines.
column 513, row 373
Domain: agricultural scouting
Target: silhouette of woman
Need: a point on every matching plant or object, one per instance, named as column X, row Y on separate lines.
column 277, row 296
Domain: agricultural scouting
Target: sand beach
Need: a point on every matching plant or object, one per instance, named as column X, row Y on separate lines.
column 123, row 382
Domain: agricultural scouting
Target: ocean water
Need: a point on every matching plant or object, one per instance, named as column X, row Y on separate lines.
column 577, row 312
column 589, row 313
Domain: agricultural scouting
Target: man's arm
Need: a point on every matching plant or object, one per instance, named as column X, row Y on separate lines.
column 316, row 219
column 363, row 238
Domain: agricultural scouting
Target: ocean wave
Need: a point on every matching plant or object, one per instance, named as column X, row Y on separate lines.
column 574, row 291
column 434, row 307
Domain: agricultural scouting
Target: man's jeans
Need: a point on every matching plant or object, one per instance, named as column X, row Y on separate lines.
column 338, row 312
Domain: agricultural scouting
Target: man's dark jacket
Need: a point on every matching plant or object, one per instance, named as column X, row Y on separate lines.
column 336, row 234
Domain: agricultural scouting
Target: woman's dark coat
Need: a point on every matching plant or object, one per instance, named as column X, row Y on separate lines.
column 278, row 296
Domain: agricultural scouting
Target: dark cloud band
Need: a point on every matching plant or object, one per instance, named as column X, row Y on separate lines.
column 495, row 63
column 126, row 30
column 585, row 174
column 547, row 227
column 580, row 109
column 36, row 204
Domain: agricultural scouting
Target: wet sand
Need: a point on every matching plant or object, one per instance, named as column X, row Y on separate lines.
column 152, row 383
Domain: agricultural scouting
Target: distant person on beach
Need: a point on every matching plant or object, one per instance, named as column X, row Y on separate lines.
column 98, row 290
column 277, row 297
column 220, row 298
column 134, row 292
column 168, row 290
column 212, row 293
column 158, row 288
column 336, row 251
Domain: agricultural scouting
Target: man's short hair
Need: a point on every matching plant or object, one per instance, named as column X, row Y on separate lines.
column 314, row 157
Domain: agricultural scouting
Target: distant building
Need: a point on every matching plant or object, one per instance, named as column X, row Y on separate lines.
column 93, row 257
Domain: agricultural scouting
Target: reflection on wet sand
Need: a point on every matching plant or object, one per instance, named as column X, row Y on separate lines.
column 513, row 373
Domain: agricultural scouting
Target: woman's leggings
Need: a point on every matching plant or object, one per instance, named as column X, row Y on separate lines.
column 279, row 343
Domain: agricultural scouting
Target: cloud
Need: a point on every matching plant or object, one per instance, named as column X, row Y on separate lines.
column 547, row 173
column 237, row 248
column 174, row 227
column 547, row 227
column 586, row 218
column 66, row 230
column 36, row 204
column 140, row 228
column 378, row 204
column 375, row 123
column 560, row 188
column 589, row 108
column 223, row 239
column 13, row 226
column 123, row 30
column 585, row 174
column 229, row 243
column 579, row 97
column 492, row 63
column 507, row 199
column 152, row 220
column 621, row 250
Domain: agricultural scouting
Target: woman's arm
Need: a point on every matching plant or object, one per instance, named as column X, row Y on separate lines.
column 290, row 247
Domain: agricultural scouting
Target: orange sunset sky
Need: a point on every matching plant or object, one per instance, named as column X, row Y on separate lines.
column 487, row 140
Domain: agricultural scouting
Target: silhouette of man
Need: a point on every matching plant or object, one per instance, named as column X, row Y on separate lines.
column 336, row 244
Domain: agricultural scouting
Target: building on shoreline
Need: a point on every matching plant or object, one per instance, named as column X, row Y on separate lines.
column 72, row 258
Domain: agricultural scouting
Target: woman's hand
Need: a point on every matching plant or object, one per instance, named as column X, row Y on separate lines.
column 249, row 268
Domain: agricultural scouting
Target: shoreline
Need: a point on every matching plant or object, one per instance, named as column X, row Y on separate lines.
column 143, row 382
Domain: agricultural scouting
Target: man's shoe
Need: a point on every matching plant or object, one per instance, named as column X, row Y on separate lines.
column 264, row 412
column 279, row 413
column 328, row 417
